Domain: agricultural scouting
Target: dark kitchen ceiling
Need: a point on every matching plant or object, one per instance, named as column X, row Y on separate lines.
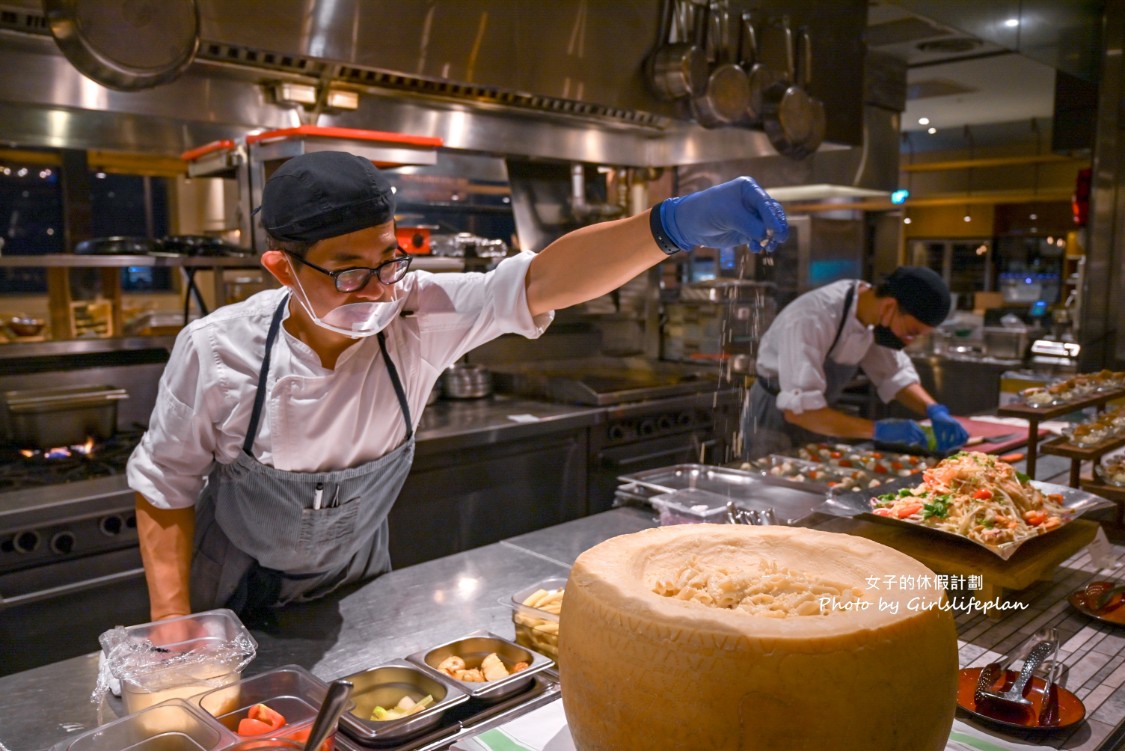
column 995, row 80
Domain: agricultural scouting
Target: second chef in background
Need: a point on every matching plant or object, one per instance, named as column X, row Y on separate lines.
column 818, row 343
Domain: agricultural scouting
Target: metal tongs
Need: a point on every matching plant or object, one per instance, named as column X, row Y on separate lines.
column 738, row 515
column 1044, row 645
column 1054, row 678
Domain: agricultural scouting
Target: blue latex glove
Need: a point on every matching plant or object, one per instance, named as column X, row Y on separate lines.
column 900, row 432
column 949, row 433
column 735, row 213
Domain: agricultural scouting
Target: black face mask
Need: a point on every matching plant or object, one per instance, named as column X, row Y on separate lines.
column 886, row 337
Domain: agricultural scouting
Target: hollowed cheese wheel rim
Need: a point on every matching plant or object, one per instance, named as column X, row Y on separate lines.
column 642, row 671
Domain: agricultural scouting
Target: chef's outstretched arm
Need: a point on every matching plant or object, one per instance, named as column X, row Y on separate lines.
column 595, row 260
column 166, row 537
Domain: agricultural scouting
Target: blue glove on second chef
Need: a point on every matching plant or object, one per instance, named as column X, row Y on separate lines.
column 949, row 433
column 900, row 432
column 735, row 213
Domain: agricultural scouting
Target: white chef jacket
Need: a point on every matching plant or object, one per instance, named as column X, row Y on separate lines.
column 795, row 346
column 314, row 419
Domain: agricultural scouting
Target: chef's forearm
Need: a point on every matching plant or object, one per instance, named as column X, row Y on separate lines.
column 166, row 541
column 832, row 422
column 590, row 262
column 915, row 398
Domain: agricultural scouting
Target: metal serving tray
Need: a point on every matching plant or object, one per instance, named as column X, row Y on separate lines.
column 473, row 648
column 748, row 489
column 463, row 720
column 385, row 685
column 858, row 505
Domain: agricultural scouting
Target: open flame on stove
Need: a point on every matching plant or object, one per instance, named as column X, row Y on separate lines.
column 62, row 452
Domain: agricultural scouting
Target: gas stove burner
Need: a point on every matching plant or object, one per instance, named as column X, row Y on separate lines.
column 22, row 468
column 86, row 449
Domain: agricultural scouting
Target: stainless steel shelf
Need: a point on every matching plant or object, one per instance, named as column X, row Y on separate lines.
column 71, row 260
column 107, row 261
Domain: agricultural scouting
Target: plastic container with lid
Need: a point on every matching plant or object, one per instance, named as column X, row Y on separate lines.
column 174, row 658
column 535, row 614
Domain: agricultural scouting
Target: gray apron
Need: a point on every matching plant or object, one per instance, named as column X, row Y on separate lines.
column 764, row 427
column 259, row 541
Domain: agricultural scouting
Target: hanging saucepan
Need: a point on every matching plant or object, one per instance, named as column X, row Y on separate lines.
column 786, row 114
column 678, row 68
column 126, row 44
column 728, row 92
column 758, row 74
column 818, row 118
column 116, row 246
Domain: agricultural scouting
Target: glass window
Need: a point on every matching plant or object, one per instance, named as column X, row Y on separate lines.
column 132, row 206
column 32, row 221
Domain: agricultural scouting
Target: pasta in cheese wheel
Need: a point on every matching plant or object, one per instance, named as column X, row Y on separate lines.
column 749, row 638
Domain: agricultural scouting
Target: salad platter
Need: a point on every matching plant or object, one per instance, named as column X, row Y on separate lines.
column 973, row 497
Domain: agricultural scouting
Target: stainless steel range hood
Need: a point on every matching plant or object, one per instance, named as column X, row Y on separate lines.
column 563, row 80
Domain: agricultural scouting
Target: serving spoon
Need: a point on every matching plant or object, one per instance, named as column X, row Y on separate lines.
column 329, row 714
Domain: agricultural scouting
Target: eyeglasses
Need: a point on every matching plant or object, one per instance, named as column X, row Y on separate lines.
column 355, row 279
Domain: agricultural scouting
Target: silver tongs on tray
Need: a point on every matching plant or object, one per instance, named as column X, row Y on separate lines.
column 1044, row 645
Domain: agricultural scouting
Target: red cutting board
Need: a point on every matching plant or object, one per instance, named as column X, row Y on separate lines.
column 985, row 429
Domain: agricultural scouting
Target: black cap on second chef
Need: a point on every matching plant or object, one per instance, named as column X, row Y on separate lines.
column 921, row 292
column 325, row 194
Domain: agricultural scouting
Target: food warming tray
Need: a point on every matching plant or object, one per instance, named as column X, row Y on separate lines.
column 858, row 505
column 748, row 489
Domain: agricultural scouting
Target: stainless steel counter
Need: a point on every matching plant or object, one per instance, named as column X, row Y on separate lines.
column 408, row 609
column 393, row 616
column 451, row 424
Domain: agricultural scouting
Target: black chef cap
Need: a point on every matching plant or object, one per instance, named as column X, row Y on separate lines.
column 921, row 292
column 325, row 194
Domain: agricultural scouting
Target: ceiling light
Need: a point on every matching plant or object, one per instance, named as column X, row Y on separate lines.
column 931, row 131
column 923, row 121
column 1012, row 23
column 906, row 220
column 338, row 99
column 294, row 93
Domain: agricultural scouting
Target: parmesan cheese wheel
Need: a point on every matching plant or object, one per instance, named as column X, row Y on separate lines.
column 711, row 637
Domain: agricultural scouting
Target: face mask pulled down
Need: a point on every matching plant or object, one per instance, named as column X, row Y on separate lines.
column 357, row 319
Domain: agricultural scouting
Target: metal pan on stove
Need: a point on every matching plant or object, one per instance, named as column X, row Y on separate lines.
column 116, row 246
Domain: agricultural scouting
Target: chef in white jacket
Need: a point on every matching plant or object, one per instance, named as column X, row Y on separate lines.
column 817, row 344
column 284, row 424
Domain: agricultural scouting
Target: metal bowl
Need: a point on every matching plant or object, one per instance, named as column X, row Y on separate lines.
column 26, row 325
column 460, row 381
column 473, row 649
column 385, row 686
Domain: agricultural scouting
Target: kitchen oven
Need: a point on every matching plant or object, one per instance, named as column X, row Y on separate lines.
column 656, row 413
column 69, row 563
column 697, row 428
